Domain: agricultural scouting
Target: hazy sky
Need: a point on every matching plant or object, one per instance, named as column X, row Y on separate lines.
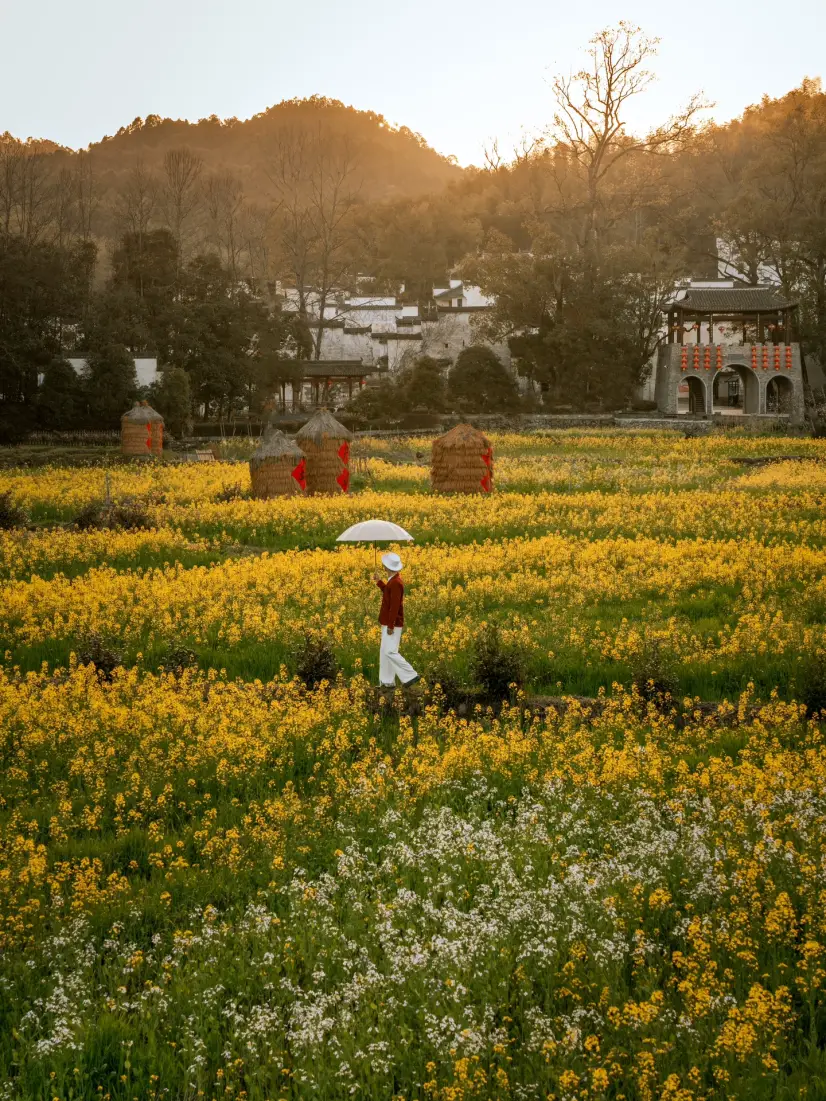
column 458, row 72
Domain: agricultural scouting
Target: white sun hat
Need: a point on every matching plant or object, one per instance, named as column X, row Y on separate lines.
column 392, row 561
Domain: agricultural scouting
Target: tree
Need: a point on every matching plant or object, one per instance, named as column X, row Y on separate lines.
column 136, row 206
column 109, row 384
column 60, row 399
column 171, row 395
column 42, row 290
column 224, row 198
column 478, row 383
column 317, row 184
column 589, row 125
column 181, row 195
column 424, row 386
column 147, row 266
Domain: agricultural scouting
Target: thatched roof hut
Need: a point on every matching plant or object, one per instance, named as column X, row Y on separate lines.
column 326, row 443
column 141, row 431
column 462, row 461
column 277, row 466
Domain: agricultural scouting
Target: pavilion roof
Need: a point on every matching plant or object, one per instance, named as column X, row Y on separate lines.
column 334, row 368
column 728, row 300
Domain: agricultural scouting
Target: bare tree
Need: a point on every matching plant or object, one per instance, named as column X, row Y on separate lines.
column 136, row 205
column 317, row 184
column 181, row 194
column 85, row 192
column 590, row 123
column 224, row 198
column 11, row 153
column 254, row 231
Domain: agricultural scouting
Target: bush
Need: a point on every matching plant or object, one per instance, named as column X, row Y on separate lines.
column 453, row 692
column 235, row 492
column 811, row 683
column 315, row 661
column 98, row 516
column 653, row 674
column 496, row 665
column 478, row 382
column 12, row 515
column 177, row 659
column 100, row 653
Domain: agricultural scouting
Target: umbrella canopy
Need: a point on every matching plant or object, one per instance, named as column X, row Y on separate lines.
column 375, row 531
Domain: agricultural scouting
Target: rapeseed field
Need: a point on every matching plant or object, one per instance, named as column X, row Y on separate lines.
column 216, row 882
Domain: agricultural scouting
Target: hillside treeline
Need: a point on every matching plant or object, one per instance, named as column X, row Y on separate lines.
column 174, row 239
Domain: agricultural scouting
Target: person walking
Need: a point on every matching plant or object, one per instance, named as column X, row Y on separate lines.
column 391, row 618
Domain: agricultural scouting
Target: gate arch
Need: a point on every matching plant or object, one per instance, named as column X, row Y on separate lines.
column 692, row 400
column 748, row 390
column 779, row 395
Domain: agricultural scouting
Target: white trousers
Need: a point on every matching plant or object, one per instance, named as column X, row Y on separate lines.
column 391, row 663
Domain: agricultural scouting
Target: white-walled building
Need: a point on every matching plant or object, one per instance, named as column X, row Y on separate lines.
column 384, row 333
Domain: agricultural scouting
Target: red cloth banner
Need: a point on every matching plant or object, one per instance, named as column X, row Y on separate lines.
column 344, row 479
column 487, row 457
column 486, row 483
column 300, row 474
column 344, row 452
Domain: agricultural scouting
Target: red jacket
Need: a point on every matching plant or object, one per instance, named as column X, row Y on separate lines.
column 392, row 602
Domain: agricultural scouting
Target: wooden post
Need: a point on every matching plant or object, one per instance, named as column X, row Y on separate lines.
column 761, row 330
column 680, row 333
column 711, row 328
column 350, row 387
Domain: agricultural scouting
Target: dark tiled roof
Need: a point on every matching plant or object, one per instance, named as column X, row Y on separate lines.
column 451, row 292
column 334, row 368
column 733, row 300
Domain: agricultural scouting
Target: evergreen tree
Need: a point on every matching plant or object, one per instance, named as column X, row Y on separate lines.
column 171, row 395
column 60, row 399
column 424, row 386
column 478, row 383
column 109, row 385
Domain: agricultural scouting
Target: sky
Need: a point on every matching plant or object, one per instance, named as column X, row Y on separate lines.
column 459, row 73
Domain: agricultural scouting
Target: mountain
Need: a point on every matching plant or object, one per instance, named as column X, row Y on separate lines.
column 392, row 161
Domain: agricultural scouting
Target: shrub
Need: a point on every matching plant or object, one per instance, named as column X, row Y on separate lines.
column 653, row 674
column 177, row 659
column 811, row 683
column 97, row 651
column 12, row 515
column 453, row 693
column 98, row 516
column 315, row 660
column 479, row 383
column 235, row 492
column 496, row 665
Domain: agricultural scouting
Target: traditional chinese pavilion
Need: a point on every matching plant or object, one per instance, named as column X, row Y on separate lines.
column 730, row 350
column 320, row 378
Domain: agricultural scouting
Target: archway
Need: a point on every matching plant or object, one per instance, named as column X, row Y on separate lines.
column 728, row 392
column 779, row 395
column 691, row 395
column 736, row 390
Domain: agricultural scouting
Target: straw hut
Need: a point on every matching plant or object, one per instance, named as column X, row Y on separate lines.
column 141, row 431
column 462, row 462
column 326, row 443
column 277, row 466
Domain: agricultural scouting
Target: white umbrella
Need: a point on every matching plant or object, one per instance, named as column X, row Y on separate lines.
column 375, row 531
